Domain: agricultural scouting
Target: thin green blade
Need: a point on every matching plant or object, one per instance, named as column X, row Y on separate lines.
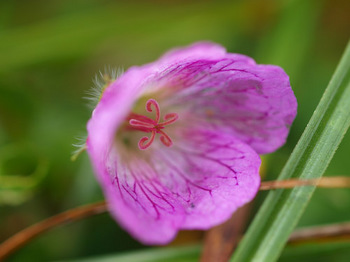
column 169, row 254
column 282, row 209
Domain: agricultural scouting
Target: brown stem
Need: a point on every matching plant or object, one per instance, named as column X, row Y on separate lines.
column 333, row 232
column 220, row 241
column 325, row 182
column 24, row 236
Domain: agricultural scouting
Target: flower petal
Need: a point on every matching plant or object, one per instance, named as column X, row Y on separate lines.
column 196, row 184
column 204, row 50
column 218, row 172
column 199, row 50
column 114, row 106
column 254, row 102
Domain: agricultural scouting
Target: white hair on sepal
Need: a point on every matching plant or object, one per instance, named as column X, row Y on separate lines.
column 102, row 80
column 80, row 146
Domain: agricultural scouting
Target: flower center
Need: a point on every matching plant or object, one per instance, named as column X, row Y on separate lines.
column 148, row 125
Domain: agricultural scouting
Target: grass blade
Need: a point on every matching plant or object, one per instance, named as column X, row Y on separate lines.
column 282, row 209
column 169, row 254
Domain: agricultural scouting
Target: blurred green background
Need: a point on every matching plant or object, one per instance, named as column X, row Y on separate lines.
column 50, row 52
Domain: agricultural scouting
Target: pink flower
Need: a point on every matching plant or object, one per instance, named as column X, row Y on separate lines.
column 175, row 143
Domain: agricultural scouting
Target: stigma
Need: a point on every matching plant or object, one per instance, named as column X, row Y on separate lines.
column 153, row 126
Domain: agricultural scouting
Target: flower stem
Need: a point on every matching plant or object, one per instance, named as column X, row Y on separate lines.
column 220, row 241
column 29, row 233
column 334, row 232
column 324, row 182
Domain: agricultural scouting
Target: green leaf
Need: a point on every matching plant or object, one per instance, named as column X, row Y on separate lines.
column 21, row 171
column 169, row 254
column 318, row 251
column 282, row 209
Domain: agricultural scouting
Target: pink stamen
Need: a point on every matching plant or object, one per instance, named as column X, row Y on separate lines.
column 138, row 123
column 146, row 124
column 170, row 118
column 149, row 104
column 145, row 142
column 142, row 118
column 166, row 140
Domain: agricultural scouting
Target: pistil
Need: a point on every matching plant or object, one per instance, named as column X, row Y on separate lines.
column 153, row 126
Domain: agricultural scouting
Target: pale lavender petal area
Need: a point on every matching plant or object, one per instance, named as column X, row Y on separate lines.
column 199, row 50
column 254, row 102
column 196, row 184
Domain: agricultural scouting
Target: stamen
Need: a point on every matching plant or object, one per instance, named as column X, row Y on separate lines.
column 146, row 124
column 149, row 104
column 170, row 118
column 145, row 142
column 166, row 140
column 138, row 123
column 142, row 118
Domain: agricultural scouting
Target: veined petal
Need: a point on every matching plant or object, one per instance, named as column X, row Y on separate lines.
column 139, row 199
column 196, row 184
column 254, row 102
column 218, row 172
